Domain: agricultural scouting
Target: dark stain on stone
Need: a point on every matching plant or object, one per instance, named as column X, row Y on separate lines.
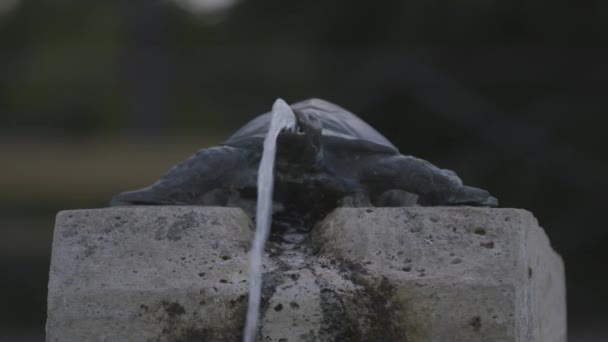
column 410, row 216
column 479, row 231
column 529, row 272
column 278, row 307
column 488, row 245
column 175, row 333
column 270, row 281
column 70, row 232
column 173, row 309
column 159, row 234
column 193, row 335
column 118, row 224
column 475, row 323
column 294, row 305
column 240, row 300
column 353, row 271
column 161, row 221
column 90, row 250
column 416, row 228
column 338, row 323
column 180, row 227
column 373, row 305
column 178, row 326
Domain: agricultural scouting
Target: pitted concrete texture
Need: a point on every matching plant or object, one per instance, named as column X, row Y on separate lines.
column 368, row 274
column 459, row 273
column 148, row 274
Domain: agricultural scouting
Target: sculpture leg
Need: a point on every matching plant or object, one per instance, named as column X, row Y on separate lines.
column 395, row 198
column 201, row 179
column 433, row 185
column 355, row 200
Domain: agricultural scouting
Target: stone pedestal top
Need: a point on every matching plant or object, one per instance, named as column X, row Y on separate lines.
column 365, row 274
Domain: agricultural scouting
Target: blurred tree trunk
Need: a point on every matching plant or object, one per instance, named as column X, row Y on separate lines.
column 146, row 67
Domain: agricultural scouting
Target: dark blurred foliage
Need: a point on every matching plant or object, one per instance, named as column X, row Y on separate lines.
column 510, row 94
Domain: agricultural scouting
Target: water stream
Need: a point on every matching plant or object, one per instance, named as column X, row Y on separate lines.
column 282, row 118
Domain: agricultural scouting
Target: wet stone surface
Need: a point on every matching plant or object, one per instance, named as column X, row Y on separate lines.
column 371, row 274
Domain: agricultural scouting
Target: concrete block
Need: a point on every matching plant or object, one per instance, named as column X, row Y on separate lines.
column 459, row 273
column 367, row 274
column 149, row 274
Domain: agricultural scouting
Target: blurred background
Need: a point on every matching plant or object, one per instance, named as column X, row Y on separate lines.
column 101, row 97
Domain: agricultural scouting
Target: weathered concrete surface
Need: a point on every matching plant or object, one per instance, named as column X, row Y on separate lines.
column 378, row 274
column 457, row 274
column 148, row 274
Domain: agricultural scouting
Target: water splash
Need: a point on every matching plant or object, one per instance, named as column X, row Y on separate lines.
column 282, row 118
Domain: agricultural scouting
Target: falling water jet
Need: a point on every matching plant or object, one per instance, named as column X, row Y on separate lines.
column 282, row 118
